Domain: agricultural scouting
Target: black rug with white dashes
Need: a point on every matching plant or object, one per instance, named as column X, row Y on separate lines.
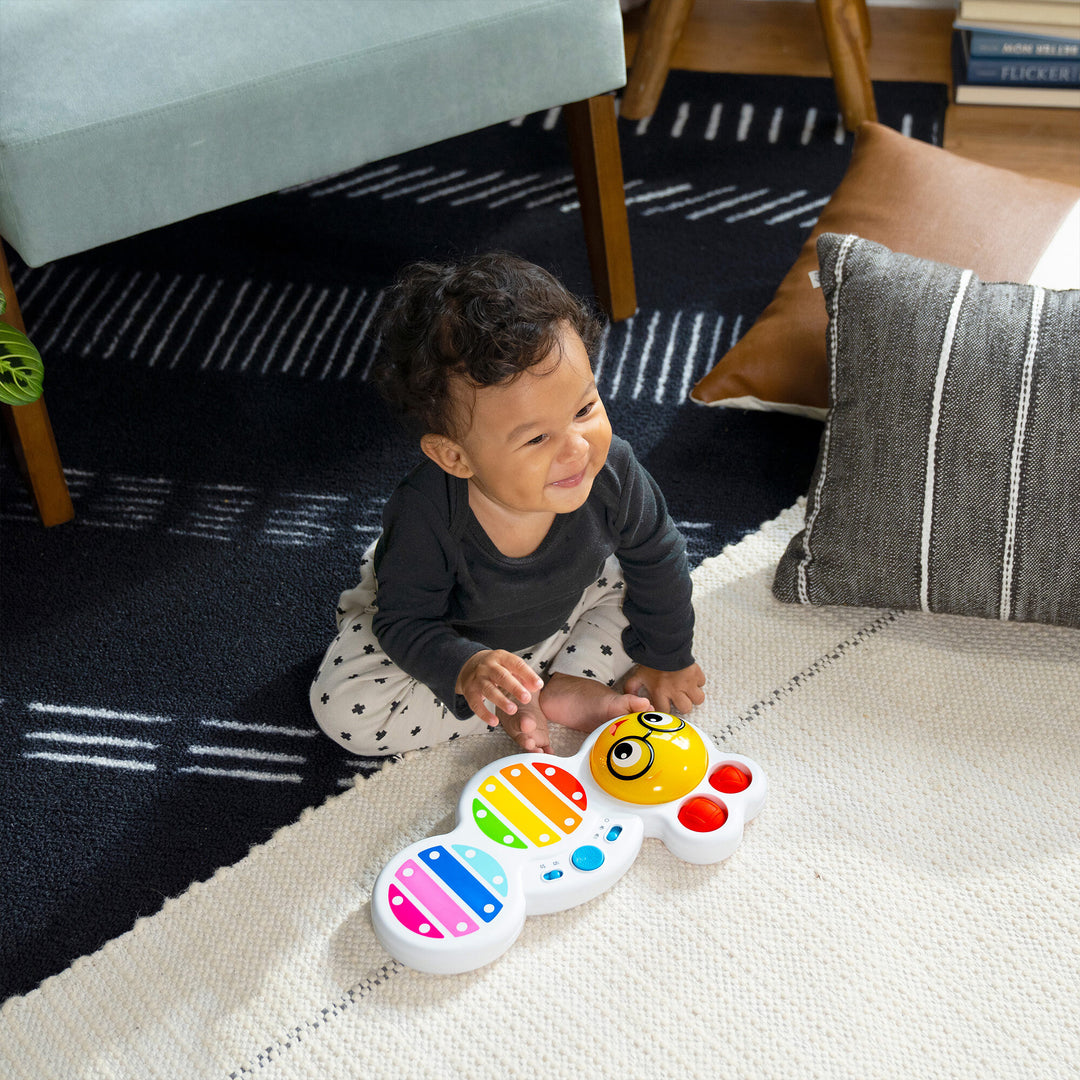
column 228, row 459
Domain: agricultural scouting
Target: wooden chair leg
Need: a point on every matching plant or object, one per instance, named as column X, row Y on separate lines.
column 32, row 434
column 846, row 26
column 594, row 149
column 864, row 23
column 664, row 23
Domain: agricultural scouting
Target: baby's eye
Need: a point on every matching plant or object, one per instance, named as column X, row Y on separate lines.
column 584, row 410
column 536, row 441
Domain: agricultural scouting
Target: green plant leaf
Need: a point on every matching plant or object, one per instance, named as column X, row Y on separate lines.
column 22, row 374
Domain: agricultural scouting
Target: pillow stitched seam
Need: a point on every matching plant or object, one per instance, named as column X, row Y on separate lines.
column 1008, row 562
column 846, row 245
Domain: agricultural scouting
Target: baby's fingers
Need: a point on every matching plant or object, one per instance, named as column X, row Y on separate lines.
column 491, row 693
column 498, row 679
column 682, row 701
column 521, row 680
column 480, row 707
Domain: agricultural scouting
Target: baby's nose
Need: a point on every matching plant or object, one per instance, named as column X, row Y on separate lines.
column 574, row 445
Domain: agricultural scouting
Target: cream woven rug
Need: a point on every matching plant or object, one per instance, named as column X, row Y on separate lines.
column 907, row 904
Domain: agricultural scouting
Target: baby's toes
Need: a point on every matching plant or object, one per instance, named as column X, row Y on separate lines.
column 527, row 742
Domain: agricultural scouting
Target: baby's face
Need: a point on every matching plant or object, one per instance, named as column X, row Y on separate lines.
column 535, row 445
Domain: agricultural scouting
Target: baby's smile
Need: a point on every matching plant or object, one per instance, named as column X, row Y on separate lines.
column 570, row 481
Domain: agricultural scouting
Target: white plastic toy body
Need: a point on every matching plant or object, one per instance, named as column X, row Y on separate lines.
column 537, row 833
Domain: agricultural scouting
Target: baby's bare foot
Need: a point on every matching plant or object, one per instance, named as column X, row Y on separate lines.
column 585, row 704
column 528, row 727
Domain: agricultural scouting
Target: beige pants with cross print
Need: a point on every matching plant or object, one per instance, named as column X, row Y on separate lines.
column 368, row 705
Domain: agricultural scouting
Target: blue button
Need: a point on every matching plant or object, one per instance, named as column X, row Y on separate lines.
column 613, row 832
column 588, row 858
column 553, row 875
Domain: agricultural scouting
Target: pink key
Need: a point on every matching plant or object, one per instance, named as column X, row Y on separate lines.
column 409, row 915
column 431, row 894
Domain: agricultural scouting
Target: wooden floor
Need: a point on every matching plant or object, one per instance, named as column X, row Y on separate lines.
column 783, row 37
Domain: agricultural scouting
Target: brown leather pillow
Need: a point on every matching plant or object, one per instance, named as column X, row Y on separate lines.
column 916, row 199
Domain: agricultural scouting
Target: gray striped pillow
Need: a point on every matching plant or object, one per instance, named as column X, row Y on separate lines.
column 948, row 477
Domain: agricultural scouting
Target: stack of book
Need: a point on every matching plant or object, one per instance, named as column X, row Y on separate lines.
column 1017, row 52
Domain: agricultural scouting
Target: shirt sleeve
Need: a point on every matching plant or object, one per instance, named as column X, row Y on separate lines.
column 414, row 569
column 652, row 552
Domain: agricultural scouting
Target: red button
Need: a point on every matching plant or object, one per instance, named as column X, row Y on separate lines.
column 702, row 815
column 730, row 779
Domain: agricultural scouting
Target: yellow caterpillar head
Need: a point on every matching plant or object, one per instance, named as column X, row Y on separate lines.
column 648, row 757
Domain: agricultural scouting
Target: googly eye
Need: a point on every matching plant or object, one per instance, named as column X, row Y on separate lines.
column 629, row 758
column 661, row 721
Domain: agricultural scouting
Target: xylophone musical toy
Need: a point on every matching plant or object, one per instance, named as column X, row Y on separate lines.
column 537, row 833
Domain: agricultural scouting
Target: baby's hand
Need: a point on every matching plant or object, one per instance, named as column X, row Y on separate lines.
column 500, row 677
column 670, row 691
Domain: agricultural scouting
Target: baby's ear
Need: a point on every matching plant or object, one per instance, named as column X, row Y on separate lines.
column 447, row 454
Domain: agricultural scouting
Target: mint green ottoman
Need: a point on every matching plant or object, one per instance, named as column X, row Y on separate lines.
column 120, row 116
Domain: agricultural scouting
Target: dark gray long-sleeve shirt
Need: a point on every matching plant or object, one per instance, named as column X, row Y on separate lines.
column 446, row 592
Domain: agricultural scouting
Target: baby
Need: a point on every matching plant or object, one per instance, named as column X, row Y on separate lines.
column 528, row 572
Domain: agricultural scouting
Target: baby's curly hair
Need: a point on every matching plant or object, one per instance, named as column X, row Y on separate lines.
column 483, row 320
